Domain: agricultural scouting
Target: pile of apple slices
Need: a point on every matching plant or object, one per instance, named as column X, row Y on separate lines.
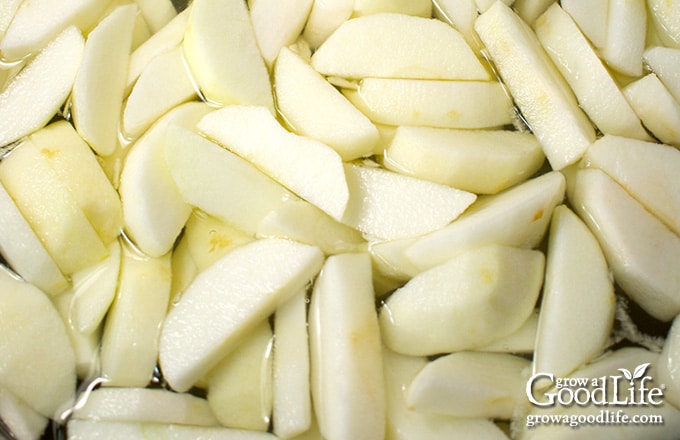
column 347, row 219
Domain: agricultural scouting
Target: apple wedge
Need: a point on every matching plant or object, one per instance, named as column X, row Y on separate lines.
column 301, row 221
column 240, row 385
column 219, row 182
column 461, row 14
column 578, row 305
column 193, row 340
column 390, row 206
column 626, row 36
column 657, row 108
column 591, row 17
column 639, row 248
column 38, row 365
column 314, row 108
column 7, row 11
column 156, row 13
column 436, row 103
column 668, row 372
column 218, row 34
column 51, row 209
column 38, row 22
column 642, row 168
column 292, row 403
column 542, row 95
column 101, row 430
column 163, row 84
column 597, row 92
column 478, row 161
column 41, row 87
column 345, row 337
column 665, row 63
column 145, row 405
column 404, row 423
column 22, row 420
column 94, row 289
column 100, row 83
column 521, row 341
column 324, row 18
column 76, row 166
column 666, row 18
column 307, row 167
column 530, row 10
column 23, row 250
column 277, row 24
column 129, row 344
column 153, row 208
column 469, row 384
column 518, row 217
column 469, row 301
column 398, row 46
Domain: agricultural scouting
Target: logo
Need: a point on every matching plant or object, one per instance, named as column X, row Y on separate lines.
column 628, row 389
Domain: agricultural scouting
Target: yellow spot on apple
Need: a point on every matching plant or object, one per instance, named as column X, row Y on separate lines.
column 486, row 275
column 218, row 241
column 49, row 152
column 538, row 215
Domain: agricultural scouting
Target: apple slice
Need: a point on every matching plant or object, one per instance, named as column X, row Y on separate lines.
column 292, row 404
column 77, row 168
column 301, row 221
column 324, row 18
column 100, row 83
column 469, row 384
column 93, row 291
column 657, row 108
column 217, row 34
column 597, row 92
column 665, row 63
column 100, row 430
column 640, row 249
column 41, row 87
column 404, row 423
column 51, row 209
column 22, row 420
column 129, row 345
column 592, row 18
column 7, row 11
column 156, row 13
column 166, row 39
column 518, row 217
column 193, row 340
column 449, row 104
column 314, row 108
column 390, row 206
column 530, row 10
column 420, row 8
column 461, row 14
column 469, row 301
column 521, row 341
column 144, row 405
column 277, row 24
column 163, row 84
column 38, row 365
column 398, row 46
column 478, row 161
column 578, row 305
column 390, row 261
column 345, row 339
column 307, row 167
column 240, row 385
column 153, row 208
column 542, row 95
column 36, row 23
column 665, row 16
column 642, row 168
column 668, row 372
column 219, row 182
column 23, row 250
column 626, row 36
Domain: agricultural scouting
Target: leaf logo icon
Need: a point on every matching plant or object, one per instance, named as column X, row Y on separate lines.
column 627, row 374
column 640, row 371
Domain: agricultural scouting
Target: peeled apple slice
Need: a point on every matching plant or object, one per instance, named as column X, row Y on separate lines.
column 641, row 250
column 577, row 310
column 345, row 351
column 101, row 430
column 626, row 36
column 390, row 206
column 100, row 83
column 391, row 45
column 22, row 420
column 469, row 384
column 560, row 125
column 38, row 365
column 277, row 24
column 471, row 300
column 193, row 338
column 665, row 63
column 519, row 217
column 324, row 18
column 217, row 34
column 669, row 362
column 307, row 167
column 41, row 87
